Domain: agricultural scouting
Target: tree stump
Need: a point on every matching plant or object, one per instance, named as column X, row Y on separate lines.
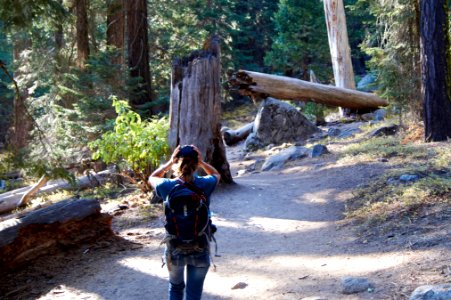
column 195, row 107
column 45, row 231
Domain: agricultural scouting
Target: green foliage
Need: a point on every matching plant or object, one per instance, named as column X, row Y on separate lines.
column 394, row 46
column 301, row 42
column 134, row 144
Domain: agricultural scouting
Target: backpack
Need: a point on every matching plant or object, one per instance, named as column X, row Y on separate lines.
column 187, row 215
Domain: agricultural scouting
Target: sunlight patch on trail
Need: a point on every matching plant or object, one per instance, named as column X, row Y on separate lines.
column 343, row 264
column 146, row 266
column 285, row 225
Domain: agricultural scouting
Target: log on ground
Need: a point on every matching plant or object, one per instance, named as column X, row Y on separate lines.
column 14, row 199
column 261, row 85
column 231, row 137
column 45, row 231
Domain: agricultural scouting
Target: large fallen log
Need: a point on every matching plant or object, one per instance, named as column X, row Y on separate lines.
column 14, row 199
column 44, row 231
column 231, row 137
column 260, row 85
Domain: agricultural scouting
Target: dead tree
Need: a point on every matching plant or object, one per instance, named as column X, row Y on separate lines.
column 195, row 107
column 340, row 51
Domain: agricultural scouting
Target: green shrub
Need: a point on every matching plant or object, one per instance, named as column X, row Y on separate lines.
column 134, row 145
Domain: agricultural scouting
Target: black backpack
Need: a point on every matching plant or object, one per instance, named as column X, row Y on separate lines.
column 187, row 214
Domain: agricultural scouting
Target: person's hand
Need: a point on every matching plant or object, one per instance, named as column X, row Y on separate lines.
column 199, row 154
column 174, row 154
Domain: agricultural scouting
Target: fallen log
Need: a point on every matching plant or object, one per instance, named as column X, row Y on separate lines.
column 231, row 137
column 14, row 199
column 261, row 85
column 44, row 231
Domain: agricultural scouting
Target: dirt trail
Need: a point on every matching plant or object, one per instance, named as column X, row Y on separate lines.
column 279, row 234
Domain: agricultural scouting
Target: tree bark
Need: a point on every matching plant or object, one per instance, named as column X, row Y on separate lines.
column 115, row 32
column 66, row 223
column 231, row 137
column 22, row 121
column 436, row 73
column 260, row 85
column 138, row 52
column 195, row 106
column 82, row 33
column 340, row 51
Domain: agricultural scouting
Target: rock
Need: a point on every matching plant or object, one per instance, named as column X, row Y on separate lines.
column 314, row 298
column 278, row 122
column 368, row 117
column 318, row 150
column 333, row 132
column 385, row 131
column 392, row 181
column 253, row 142
column 380, row 114
column 432, row 292
column 352, row 285
column 367, row 83
column 409, row 177
column 277, row 161
column 239, row 285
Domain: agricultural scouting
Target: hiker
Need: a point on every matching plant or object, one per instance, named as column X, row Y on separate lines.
column 195, row 256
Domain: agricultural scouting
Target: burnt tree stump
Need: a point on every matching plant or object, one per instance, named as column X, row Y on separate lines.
column 50, row 229
column 195, row 107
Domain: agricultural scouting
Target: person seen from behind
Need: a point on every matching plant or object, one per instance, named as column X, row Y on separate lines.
column 193, row 256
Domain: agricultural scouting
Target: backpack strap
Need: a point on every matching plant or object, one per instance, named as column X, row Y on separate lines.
column 193, row 188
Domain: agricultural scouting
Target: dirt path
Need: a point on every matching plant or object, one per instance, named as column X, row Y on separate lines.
column 279, row 237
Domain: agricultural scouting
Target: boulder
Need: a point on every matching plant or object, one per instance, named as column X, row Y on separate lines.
column 277, row 161
column 353, row 285
column 278, row 122
column 432, row 292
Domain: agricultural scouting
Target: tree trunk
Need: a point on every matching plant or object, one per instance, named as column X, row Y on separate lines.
column 82, row 33
column 231, row 137
column 260, row 85
column 22, row 121
column 138, row 52
column 66, row 223
column 195, row 106
column 115, row 32
column 435, row 59
column 340, row 51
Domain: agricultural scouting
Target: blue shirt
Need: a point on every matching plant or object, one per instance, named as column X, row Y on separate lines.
column 205, row 183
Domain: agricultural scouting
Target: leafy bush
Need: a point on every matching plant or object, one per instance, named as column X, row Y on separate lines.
column 136, row 146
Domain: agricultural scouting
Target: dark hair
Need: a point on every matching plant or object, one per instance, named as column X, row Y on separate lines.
column 189, row 163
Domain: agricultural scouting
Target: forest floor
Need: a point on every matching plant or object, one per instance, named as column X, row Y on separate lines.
column 282, row 235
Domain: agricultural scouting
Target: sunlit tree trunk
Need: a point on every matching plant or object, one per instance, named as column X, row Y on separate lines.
column 340, row 51
column 435, row 62
column 82, row 32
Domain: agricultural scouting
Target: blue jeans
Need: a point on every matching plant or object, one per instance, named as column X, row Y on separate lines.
column 196, row 269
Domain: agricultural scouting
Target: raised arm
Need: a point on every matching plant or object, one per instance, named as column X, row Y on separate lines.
column 209, row 169
column 161, row 170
